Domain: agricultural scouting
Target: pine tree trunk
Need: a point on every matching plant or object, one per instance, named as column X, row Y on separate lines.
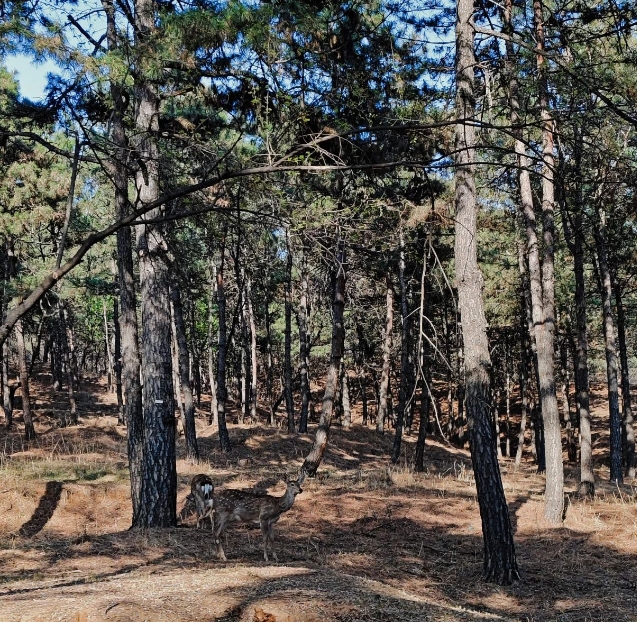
column 541, row 279
column 628, row 435
column 68, row 364
column 253, row 351
column 303, row 348
column 213, row 418
column 192, row 451
column 159, row 488
column 313, row 459
column 606, row 291
column 29, row 429
column 7, row 401
column 287, row 363
column 404, row 386
column 110, row 380
column 347, row 409
column 131, row 383
column 222, row 351
column 269, row 381
column 383, row 413
column 500, row 563
column 121, row 419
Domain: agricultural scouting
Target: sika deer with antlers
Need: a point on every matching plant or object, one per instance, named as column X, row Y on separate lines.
column 250, row 507
column 202, row 490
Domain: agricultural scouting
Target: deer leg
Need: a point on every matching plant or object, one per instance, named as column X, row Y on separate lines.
column 265, row 530
column 218, row 527
column 271, row 539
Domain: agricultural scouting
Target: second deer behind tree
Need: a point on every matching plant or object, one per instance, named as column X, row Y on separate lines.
column 250, row 507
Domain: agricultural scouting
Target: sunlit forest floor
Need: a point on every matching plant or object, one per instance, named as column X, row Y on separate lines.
column 364, row 541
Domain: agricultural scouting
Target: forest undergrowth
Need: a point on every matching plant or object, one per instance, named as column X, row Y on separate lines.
column 364, row 541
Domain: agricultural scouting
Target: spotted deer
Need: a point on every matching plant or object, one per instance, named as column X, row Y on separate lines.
column 202, row 490
column 235, row 506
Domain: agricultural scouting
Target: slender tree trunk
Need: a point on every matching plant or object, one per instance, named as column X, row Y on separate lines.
column 303, row 347
column 253, row 352
column 109, row 355
column 222, row 350
column 131, row 383
column 159, row 489
column 121, row 419
column 382, row 414
column 29, row 429
column 213, row 418
column 313, row 459
column 500, row 564
column 269, row 382
column 616, row 474
column 627, row 414
column 68, row 364
column 404, row 386
column 192, row 451
column 287, row 363
column 347, row 409
column 7, row 401
column 541, row 278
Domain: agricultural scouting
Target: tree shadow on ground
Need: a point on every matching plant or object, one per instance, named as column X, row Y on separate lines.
column 44, row 510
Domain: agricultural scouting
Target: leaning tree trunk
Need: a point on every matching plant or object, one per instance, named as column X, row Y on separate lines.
column 382, row 413
column 192, row 451
column 159, row 488
column 628, row 435
column 500, row 564
column 616, row 474
column 313, row 459
column 29, row 429
column 131, row 383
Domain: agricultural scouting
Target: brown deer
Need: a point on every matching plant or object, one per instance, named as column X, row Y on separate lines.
column 202, row 490
column 233, row 506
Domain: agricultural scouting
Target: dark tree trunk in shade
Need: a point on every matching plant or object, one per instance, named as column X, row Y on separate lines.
column 253, row 350
column 405, row 347
column 213, row 418
column 287, row 362
column 121, row 420
column 29, row 429
column 192, row 451
column 159, row 487
column 500, row 564
column 131, row 383
column 222, row 351
column 383, row 412
column 269, row 380
column 313, row 459
column 616, row 473
column 302, row 320
column 628, row 431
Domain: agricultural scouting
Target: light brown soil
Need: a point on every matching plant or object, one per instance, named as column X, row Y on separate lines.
column 364, row 541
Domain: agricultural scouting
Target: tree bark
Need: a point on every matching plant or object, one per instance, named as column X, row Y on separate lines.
column 213, row 418
column 159, row 489
column 314, row 458
column 131, row 383
column 222, row 350
column 192, row 450
column 383, row 412
column 500, row 564
column 616, row 473
column 405, row 345
column 628, row 435
column 121, row 420
column 287, row 362
column 303, row 346
column 541, row 277
column 29, row 429
column 253, row 350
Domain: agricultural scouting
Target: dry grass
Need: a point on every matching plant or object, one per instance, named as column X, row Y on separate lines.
column 365, row 541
